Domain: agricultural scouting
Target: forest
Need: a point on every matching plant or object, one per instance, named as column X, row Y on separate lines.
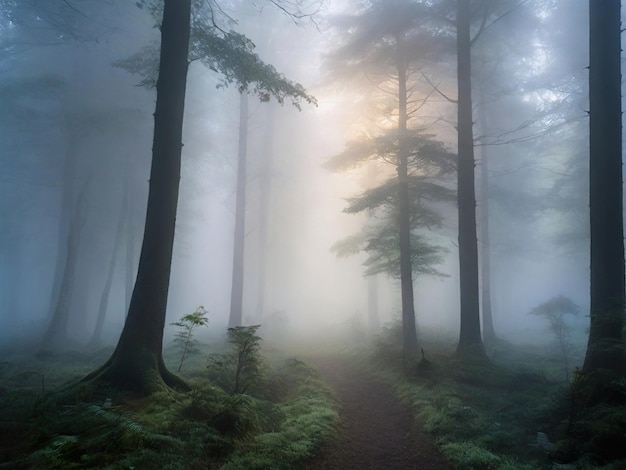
column 312, row 234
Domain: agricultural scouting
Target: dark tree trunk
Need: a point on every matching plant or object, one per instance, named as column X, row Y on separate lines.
column 265, row 187
column 137, row 362
column 96, row 338
column 605, row 189
column 236, row 294
column 470, row 340
column 56, row 333
column 65, row 216
column 11, row 259
column 489, row 334
column 130, row 242
column 409, row 331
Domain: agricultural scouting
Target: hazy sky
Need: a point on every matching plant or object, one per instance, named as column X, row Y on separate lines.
column 98, row 112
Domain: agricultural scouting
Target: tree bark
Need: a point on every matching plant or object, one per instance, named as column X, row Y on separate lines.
column 11, row 259
column 65, row 216
column 130, row 242
column 56, row 333
column 96, row 337
column 265, row 187
column 489, row 333
column 409, row 330
column 470, row 340
column 605, row 189
column 236, row 294
column 137, row 362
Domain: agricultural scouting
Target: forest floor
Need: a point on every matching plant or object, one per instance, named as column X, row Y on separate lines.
column 376, row 430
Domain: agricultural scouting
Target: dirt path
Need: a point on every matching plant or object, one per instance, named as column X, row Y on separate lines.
column 377, row 431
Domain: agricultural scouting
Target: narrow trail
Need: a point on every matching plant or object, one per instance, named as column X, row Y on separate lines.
column 376, row 430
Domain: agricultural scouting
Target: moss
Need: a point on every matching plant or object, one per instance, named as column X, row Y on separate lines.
column 89, row 426
column 468, row 456
column 478, row 412
column 309, row 421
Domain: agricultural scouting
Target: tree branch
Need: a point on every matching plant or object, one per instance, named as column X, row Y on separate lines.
column 436, row 88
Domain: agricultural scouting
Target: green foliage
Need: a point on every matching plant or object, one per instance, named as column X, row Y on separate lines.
column 555, row 310
column 485, row 416
column 381, row 243
column 428, row 160
column 425, row 154
column 232, row 55
column 384, row 255
column 101, row 437
column 207, row 427
column 470, row 457
column 387, row 351
column 242, row 367
column 224, row 51
column 597, row 419
column 308, row 420
column 184, row 338
column 421, row 189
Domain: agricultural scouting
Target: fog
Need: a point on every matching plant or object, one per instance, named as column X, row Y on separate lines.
column 77, row 133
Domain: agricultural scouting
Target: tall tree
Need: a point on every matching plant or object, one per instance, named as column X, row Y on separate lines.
column 236, row 294
column 265, row 188
column 385, row 46
column 604, row 350
column 470, row 339
column 427, row 162
column 137, row 362
column 489, row 333
column 409, row 331
column 96, row 337
column 56, row 333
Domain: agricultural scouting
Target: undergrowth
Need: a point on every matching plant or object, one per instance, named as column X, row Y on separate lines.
column 278, row 423
column 483, row 415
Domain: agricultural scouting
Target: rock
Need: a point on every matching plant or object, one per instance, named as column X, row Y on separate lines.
column 544, row 442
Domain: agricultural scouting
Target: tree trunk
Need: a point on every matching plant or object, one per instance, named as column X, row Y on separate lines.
column 265, row 187
column 11, row 259
column 409, row 331
column 65, row 216
column 236, row 294
column 96, row 338
column 56, row 333
column 130, row 242
column 604, row 350
column 137, row 362
column 489, row 334
column 470, row 340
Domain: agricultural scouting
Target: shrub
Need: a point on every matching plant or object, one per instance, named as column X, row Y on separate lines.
column 468, row 456
column 242, row 367
column 184, row 339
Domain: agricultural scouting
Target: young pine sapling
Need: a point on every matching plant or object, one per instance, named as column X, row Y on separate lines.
column 184, row 337
column 240, row 368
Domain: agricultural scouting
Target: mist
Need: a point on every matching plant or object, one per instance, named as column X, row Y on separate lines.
column 321, row 234
column 77, row 128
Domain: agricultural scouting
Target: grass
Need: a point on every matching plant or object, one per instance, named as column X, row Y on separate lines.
column 484, row 416
column 308, row 422
column 278, row 424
